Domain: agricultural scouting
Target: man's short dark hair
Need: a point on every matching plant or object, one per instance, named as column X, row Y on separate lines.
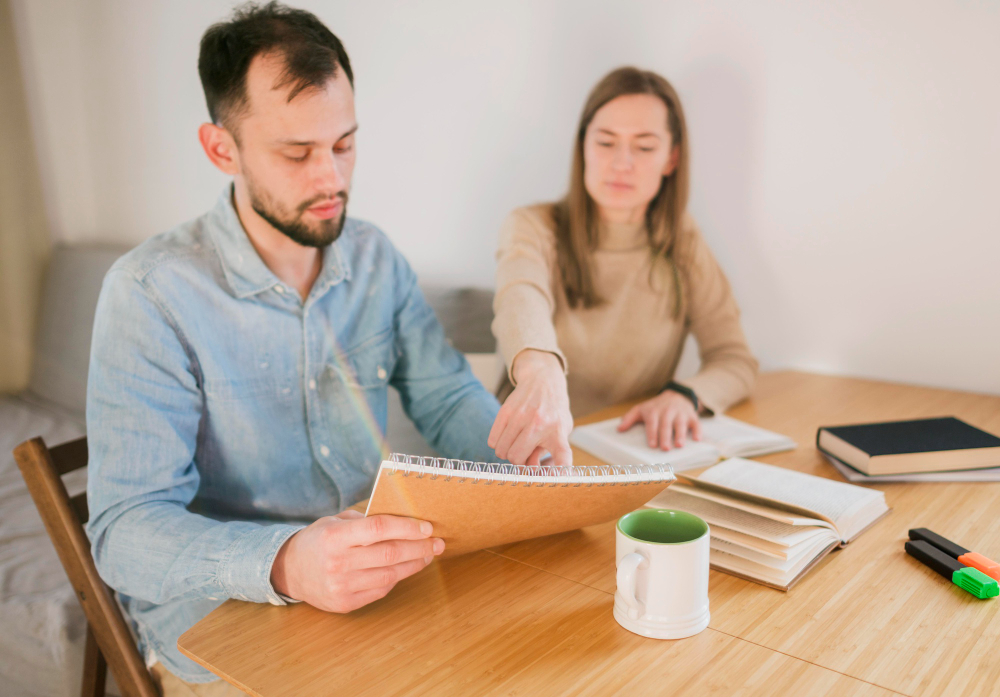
column 311, row 53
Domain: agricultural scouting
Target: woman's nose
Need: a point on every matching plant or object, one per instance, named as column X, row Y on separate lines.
column 622, row 159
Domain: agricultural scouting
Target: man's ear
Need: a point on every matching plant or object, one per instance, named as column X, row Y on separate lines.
column 675, row 156
column 219, row 145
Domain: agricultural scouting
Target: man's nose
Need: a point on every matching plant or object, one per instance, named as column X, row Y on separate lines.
column 328, row 175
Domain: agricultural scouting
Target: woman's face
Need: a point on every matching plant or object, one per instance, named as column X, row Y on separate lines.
column 627, row 150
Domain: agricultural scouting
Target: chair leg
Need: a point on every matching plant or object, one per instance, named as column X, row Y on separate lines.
column 95, row 668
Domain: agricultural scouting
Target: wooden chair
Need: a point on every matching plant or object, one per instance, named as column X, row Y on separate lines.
column 109, row 641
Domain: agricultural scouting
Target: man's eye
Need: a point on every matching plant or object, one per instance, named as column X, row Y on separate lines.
column 647, row 149
column 343, row 149
column 605, row 145
column 297, row 159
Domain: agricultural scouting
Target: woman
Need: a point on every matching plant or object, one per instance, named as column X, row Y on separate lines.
column 596, row 293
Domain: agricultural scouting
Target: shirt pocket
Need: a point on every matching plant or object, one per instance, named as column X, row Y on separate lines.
column 369, row 364
column 256, row 388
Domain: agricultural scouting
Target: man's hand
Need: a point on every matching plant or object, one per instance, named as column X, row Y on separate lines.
column 536, row 417
column 668, row 418
column 342, row 562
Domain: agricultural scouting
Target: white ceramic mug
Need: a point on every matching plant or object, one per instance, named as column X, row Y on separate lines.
column 662, row 560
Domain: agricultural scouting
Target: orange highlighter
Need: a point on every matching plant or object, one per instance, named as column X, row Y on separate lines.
column 973, row 559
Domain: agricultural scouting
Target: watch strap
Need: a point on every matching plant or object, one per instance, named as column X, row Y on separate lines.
column 685, row 391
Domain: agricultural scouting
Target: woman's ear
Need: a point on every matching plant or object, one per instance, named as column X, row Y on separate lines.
column 675, row 156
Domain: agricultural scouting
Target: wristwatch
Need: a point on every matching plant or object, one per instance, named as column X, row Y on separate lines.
column 683, row 390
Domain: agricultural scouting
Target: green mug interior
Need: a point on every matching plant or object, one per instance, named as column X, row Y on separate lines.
column 661, row 526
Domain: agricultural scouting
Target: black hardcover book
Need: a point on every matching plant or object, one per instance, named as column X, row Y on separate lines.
column 922, row 445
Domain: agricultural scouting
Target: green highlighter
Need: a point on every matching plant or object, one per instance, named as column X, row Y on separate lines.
column 967, row 578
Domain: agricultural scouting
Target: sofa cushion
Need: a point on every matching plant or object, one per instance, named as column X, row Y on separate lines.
column 69, row 300
column 466, row 315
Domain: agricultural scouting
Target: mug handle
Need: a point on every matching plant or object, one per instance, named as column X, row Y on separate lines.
column 629, row 564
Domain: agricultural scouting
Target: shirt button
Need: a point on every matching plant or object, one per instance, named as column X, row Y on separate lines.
column 279, row 289
column 312, row 384
column 325, row 451
column 381, row 373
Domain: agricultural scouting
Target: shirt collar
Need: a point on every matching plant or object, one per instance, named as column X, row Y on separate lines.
column 245, row 271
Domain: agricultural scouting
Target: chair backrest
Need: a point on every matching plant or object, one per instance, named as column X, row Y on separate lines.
column 64, row 517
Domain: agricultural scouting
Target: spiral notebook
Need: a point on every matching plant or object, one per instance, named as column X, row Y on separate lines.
column 475, row 505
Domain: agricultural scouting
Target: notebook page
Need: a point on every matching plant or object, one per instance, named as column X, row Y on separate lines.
column 488, row 472
column 478, row 505
column 563, row 475
column 834, row 501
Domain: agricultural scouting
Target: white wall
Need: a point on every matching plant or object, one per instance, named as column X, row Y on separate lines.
column 845, row 153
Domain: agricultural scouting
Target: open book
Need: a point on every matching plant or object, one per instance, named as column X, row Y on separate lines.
column 772, row 525
column 721, row 437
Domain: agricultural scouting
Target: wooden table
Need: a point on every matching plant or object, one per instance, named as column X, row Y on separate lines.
column 535, row 617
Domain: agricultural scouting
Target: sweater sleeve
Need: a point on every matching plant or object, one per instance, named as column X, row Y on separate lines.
column 728, row 369
column 523, row 305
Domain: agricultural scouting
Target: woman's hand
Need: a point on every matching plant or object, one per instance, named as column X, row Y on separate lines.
column 536, row 417
column 668, row 418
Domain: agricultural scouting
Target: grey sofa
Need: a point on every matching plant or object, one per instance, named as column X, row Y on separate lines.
column 41, row 645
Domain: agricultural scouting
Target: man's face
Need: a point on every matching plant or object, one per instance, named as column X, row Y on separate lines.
column 296, row 158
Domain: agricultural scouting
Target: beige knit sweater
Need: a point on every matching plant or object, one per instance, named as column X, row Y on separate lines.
column 628, row 347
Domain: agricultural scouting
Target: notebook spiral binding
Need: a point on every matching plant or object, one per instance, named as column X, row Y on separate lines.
column 454, row 469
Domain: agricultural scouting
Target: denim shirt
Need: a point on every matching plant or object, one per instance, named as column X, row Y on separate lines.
column 224, row 413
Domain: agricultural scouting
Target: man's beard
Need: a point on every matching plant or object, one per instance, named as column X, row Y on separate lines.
column 292, row 226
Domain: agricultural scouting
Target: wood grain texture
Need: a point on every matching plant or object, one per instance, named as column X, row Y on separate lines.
column 535, row 617
column 481, row 624
column 869, row 610
column 104, row 619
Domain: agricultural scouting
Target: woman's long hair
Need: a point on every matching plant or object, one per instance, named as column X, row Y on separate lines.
column 575, row 216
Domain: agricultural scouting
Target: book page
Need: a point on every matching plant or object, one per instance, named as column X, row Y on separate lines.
column 719, row 514
column 603, row 441
column 742, row 504
column 753, row 555
column 852, row 475
column 733, row 437
column 724, row 561
column 834, row 501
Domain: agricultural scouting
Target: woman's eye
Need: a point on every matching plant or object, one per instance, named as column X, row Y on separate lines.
column 605, row 145
column 344, row 149
column 647, row 149
column 297, row 159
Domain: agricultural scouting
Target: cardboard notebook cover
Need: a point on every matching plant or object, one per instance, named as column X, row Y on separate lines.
column 473, row 506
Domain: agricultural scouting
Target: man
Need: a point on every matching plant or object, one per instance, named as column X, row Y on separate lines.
column 240, row 365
